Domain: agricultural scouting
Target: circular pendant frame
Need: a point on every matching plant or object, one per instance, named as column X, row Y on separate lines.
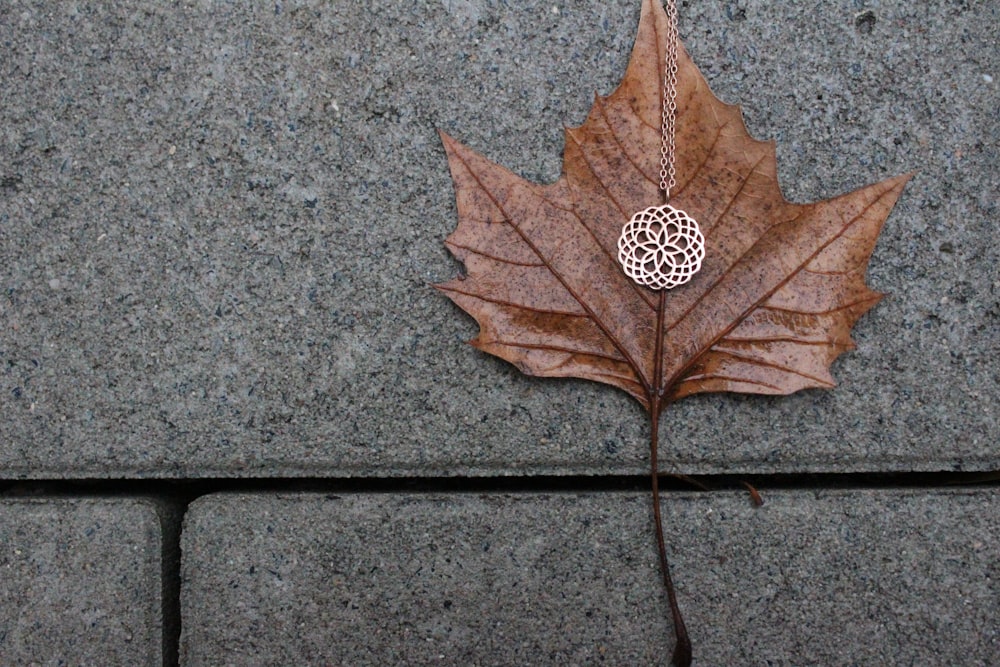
column 661, row 247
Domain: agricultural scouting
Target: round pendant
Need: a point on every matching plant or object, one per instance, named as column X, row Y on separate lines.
column 661, row 247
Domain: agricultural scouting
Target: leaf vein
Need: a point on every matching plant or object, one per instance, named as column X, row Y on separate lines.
column 496, row 258
column 511, row 304
column 557, row 348
column 756, row 361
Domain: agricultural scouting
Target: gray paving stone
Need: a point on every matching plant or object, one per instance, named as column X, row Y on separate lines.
column 80, row 582
column 908, row 577
column 218, row 227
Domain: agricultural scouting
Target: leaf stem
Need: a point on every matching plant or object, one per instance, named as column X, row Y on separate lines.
column 682, row 647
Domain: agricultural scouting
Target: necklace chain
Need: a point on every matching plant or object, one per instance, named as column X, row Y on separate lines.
column 668, row 173
column 662, row 247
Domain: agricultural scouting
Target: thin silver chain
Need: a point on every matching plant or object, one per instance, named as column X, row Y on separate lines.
column 668, row 174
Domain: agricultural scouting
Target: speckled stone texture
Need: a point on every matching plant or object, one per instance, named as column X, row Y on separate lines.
column 80, row 582
column 810, row 578
column 219, row 225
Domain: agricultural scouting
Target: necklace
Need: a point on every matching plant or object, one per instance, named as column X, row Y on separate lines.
column 662, row 247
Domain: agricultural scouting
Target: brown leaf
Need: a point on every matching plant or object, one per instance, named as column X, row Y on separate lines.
column 781, row 286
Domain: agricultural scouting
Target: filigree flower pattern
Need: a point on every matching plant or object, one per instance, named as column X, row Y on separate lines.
column 661, row 247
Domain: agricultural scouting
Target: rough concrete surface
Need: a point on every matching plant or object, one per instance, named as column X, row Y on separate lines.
column 810, row 578
column 219, row 225
column 79, row 582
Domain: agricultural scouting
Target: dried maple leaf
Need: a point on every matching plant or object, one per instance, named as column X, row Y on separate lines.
column 781, row 286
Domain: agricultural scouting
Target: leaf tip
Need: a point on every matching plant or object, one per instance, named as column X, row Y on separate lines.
column 480, row 344
column 447, row 141
column 449, row 286
column 897, row 183
column 651, row 6
column 905, row 177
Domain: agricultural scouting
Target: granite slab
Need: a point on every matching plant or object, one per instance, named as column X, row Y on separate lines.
column 80, row 582
column 219, row 227
column 851, row 577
